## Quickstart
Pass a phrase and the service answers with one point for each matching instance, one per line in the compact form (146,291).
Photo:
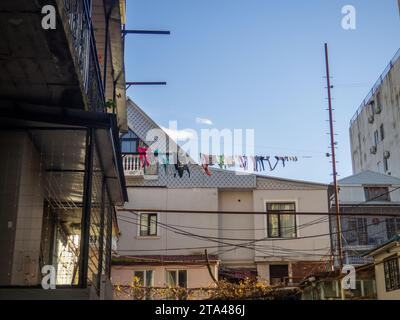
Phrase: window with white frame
(177,278)
(281,220)
(148,224)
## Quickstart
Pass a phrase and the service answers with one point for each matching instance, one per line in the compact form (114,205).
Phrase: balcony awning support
(150,32)
(159,83)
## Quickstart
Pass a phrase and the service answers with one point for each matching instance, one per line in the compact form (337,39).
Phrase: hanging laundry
(243,162)
(230,161)
(143,157)
(281,159)
(205,163)
(221,162)
(180,168)
(259,163)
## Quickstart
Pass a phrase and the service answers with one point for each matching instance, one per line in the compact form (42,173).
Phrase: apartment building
(375,127)
(375,195)
(247,223)
(60,170)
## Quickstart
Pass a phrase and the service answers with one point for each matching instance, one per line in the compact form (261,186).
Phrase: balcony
(134,167)
(78,15)
(57,67)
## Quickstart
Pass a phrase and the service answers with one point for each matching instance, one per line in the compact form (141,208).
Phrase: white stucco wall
(306,201)
(170,199)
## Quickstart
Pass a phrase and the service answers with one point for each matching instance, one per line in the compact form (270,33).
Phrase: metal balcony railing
(81,28)
(375,87)
(134,166)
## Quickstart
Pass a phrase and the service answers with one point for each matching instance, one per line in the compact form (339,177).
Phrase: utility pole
(333,157)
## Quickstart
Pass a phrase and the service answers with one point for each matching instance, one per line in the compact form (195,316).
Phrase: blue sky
(259,64)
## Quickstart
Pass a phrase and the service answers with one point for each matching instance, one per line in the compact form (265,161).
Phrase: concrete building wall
(362,131)
(171,224)
(234,226)
(227,227)
(307,225)
(311,249)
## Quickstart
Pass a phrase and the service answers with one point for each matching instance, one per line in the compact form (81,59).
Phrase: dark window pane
(392,274)
(182,281)
(376,194)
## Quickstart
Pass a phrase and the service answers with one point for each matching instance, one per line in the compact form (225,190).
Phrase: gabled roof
(140,123)
(369,177)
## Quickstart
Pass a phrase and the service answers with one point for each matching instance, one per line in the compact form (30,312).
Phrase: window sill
(278,238)
(147,237)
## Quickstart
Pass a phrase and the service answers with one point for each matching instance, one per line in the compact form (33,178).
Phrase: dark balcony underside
(35,64)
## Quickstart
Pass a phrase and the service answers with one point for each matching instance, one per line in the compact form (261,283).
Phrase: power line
(298,227)
(283,212)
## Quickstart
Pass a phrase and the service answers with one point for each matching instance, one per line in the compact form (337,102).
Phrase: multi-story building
(375,127)
(248,223)
(62,105)
(368,202)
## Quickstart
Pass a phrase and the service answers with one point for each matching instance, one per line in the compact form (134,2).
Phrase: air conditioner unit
(386,154)
(373,150)
(371,119)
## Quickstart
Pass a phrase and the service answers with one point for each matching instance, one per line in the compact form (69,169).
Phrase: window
(130,142)
(278,274)
(177,278)
(281,220)
(376,138)
(148,224)
(146,277)
(376,194)
(392,227)
(382,131)
(392,274)
(385,164)
(378,101)
(357,231)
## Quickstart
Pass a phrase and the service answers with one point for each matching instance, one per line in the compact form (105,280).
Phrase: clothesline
(181,162)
